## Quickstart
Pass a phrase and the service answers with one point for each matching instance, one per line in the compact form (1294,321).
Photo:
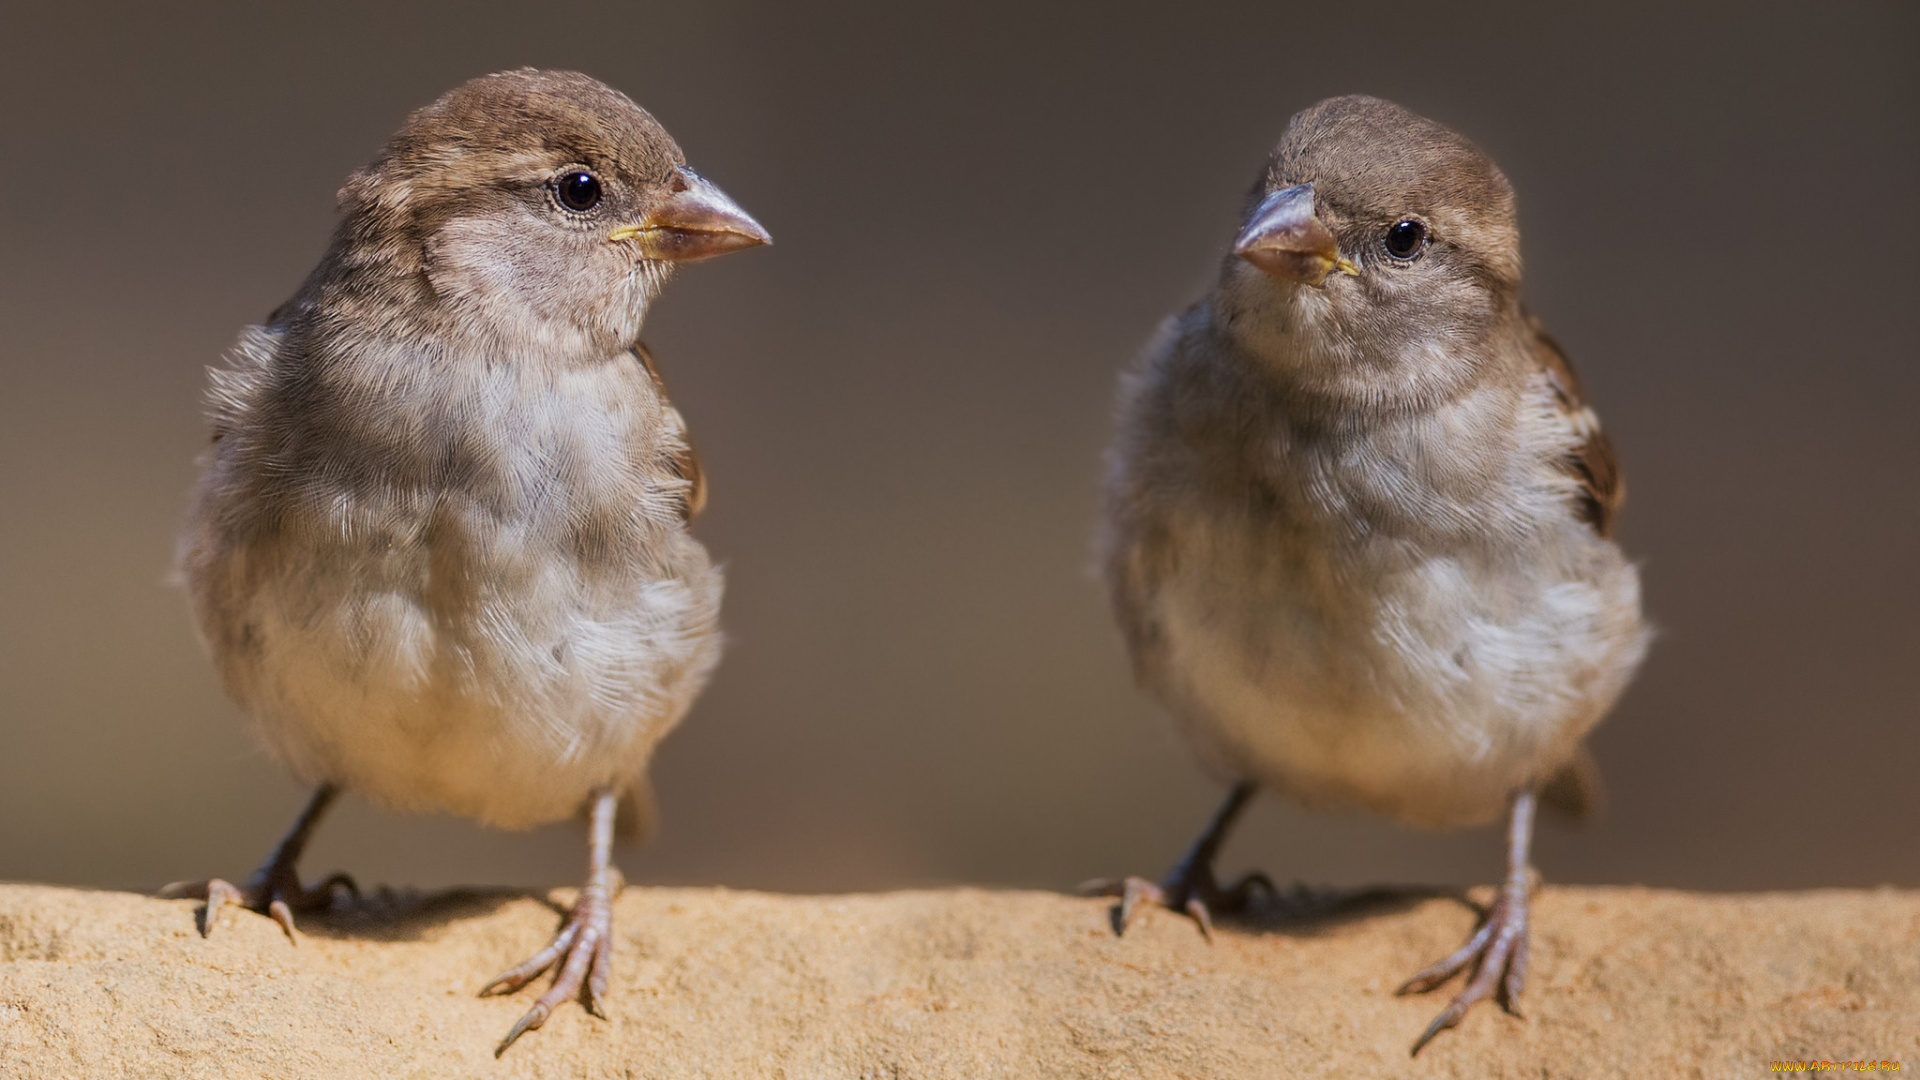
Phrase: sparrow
(1357,528)
(439,549)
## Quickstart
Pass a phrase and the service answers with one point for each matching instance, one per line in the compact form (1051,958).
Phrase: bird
(439,550)
(1358,521)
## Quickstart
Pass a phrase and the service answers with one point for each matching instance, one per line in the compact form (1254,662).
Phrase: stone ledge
(960,983)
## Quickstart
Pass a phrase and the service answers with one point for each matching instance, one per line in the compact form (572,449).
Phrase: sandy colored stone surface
(962,984)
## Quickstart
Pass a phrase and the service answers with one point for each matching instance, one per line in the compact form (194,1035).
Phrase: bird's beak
(697,221)
(1286,240)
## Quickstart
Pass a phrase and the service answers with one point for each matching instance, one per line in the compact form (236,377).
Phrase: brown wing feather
(684,463)
(1576,790)
(1591,463)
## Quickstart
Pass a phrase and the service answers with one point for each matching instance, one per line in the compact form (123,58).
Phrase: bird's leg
(583,949)
(275,889)
(1498,949)
(1190,886)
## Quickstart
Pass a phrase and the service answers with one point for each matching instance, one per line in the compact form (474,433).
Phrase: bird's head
(1377,248)
(533,210)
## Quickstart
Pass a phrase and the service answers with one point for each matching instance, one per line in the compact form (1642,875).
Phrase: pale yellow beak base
(1287,240)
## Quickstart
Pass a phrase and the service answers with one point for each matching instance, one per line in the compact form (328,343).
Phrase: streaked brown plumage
(1591,462)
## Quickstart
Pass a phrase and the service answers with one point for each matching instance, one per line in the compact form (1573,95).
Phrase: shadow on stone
(1306,912)
(388,914)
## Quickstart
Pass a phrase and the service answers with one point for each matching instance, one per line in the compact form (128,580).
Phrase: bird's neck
(1325,362)
(392,298)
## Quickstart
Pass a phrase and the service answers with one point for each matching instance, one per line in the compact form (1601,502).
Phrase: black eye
(1405,240)
(578,190)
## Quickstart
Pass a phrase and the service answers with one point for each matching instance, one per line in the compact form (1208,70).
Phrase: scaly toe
(1497,953)
(583,952)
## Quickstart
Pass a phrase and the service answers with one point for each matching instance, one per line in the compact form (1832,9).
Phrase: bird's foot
(582,952)
(275,891)
(1497,953)
(1191,890)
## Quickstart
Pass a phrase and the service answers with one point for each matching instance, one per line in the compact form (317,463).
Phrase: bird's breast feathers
(1410,617)
(425,579)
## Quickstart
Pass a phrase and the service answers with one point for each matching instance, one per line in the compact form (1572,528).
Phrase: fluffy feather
(1357,536)
(439,550)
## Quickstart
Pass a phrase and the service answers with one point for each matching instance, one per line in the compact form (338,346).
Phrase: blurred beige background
(981,214)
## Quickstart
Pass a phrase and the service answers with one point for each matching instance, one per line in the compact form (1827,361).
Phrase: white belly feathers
(1429,698)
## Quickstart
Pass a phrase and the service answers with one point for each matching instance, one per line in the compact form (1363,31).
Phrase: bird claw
(275,892)
(583,952)
(1196,910)
(1497,951)
(1190,890)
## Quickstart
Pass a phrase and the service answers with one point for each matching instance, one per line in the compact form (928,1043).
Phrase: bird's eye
(1406,240)
(578,190)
